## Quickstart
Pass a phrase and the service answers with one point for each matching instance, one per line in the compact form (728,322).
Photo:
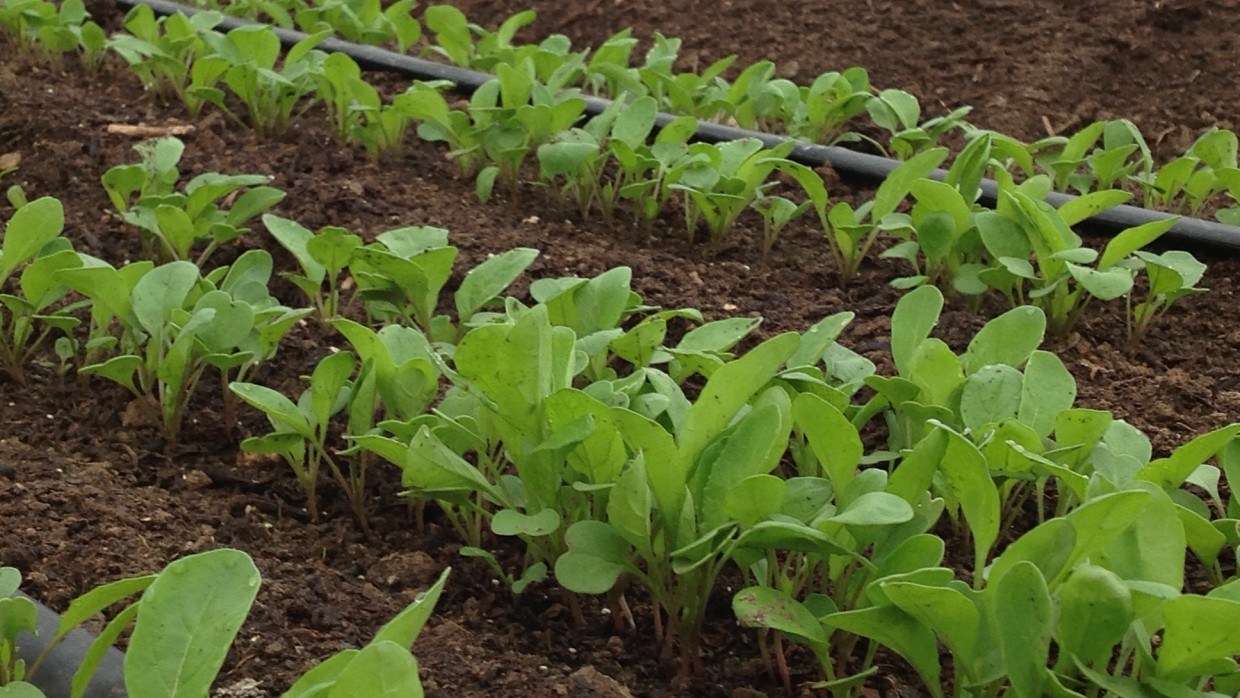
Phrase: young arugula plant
(32,242)
(439,122)
(724,181)
(851,231)
(400,276)
(454,35)
(514,115)
(1190,182)
(581,155)
(177,324)
(1075,163)
(357,112)
(50,31)
(245,61)
(843,529)
(646,173)
(175,222)
(301,430)
(828,105)
(163,51)
(1172,275)
(777,212)
(670,527)
(1062,283)
(323,256)
(899,113)
(819,113)
(498,419)
(363,21)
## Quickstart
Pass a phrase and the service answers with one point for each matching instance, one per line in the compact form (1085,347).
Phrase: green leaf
(382,670)
(1008,339)
(1024,618)
(629,506)
(316,682)
(20,689)
(946,611)
(990,395)
(1105,285)
(898,184)
(187,620)
(900,632)
(764,607)
(405,627)
(509,522)
(936,370)
(966,471)
(756,498)
(119,369)
(1133,239)
(596,557)
(1171,472)
(487,280)
(832,438)
(1092,204)
(96,600)
(916,314)
(1095,610)
(874,509)
(98,649)
(278,408)
(31,227)
(1199,631)
(1047,390)
(159,291)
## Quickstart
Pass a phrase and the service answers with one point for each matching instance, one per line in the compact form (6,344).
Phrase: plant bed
(94,495)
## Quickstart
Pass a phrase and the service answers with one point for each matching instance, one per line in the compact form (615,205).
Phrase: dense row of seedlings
(622,461)
(163,51)
(618,161)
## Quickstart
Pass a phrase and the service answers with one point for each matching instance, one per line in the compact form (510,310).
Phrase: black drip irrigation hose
(55,674)
(1191,232)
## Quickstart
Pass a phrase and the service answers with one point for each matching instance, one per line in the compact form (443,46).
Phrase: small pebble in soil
(7,470)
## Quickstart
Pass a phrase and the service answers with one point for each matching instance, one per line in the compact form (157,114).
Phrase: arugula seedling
(851,231)
(301,430)
(32,242)
(245,61)
(581,155)
(323,256)
(899,113)
(1172,275)
(1062,283)
(177,324)
(777,212)
(162,51)
(723,181)
(1075,163)
(363,21)
(174,222)
(49,31)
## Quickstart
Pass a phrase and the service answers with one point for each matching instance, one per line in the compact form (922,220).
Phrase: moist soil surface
(90,493)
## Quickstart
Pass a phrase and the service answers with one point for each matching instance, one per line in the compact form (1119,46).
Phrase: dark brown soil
(90,497)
